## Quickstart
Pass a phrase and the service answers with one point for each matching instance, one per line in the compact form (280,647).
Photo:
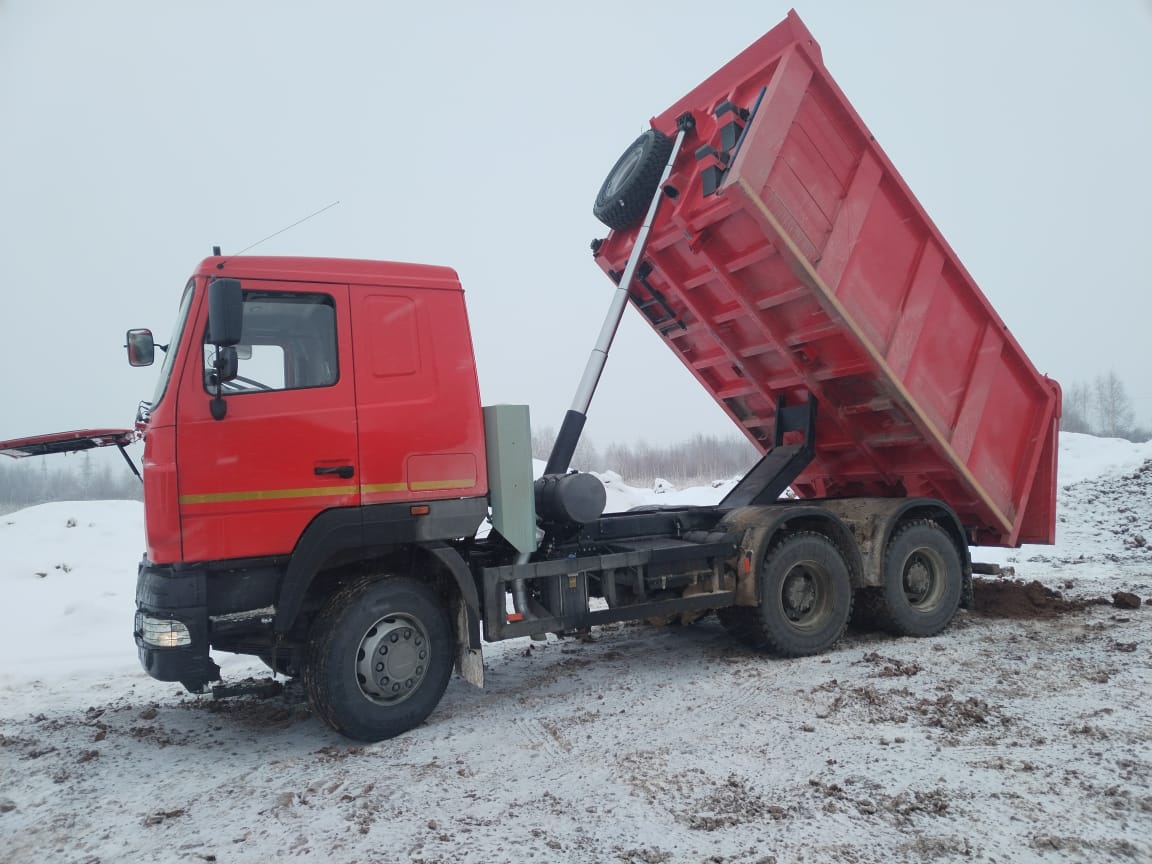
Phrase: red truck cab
(353,402)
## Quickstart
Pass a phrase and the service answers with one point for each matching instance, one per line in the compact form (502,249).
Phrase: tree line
(1102,407)
(79,477)
(694,462)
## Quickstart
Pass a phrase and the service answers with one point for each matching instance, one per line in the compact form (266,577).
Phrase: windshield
(173,344)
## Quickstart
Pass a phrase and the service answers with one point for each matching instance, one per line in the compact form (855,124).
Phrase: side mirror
(141,348)
(225,312)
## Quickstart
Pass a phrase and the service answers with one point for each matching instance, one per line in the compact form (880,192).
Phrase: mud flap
(469,661)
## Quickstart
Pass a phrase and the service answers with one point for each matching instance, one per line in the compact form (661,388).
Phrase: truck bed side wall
(813,269)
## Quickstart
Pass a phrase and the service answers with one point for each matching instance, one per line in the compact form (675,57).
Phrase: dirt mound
(1015,598)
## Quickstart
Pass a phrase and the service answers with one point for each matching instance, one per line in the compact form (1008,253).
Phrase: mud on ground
(1020,734)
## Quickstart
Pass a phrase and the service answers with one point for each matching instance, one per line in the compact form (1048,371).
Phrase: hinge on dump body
(731,137)
(782,464)
(654,307)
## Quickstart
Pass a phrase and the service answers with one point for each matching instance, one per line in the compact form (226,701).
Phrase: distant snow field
(1023,733)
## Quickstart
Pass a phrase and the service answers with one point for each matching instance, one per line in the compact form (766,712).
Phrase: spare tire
(628,189)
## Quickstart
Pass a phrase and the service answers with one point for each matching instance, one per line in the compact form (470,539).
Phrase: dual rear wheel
(923,581)
(806,591)
(805,598)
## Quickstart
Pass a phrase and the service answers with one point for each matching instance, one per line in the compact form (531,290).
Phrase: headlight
(164,634)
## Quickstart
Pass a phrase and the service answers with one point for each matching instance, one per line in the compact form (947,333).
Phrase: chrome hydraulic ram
(561,457)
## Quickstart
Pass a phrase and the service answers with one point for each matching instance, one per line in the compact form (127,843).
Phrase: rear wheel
(379,657)
(805,597)
(923,579)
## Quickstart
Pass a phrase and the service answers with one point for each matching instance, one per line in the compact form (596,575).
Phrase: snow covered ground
(1023,733)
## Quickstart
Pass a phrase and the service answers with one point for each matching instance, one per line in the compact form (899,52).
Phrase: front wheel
(379,657)
(805,596)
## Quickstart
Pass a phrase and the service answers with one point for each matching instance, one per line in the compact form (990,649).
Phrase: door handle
(344,472)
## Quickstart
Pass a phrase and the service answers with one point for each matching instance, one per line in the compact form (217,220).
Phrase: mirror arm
(218,406)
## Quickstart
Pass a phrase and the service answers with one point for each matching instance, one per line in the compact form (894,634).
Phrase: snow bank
(68,570)
(1017,741)
(68,579)
(1085,456)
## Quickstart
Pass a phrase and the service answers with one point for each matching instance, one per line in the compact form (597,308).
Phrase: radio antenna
(287,227)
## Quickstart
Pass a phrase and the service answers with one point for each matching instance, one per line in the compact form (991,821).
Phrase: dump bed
(791,258)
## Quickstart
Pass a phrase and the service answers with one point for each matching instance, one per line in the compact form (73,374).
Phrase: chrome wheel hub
(392,659)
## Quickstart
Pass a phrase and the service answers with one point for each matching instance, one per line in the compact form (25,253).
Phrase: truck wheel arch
(763,526)
(918,510)
(875,521)
(942,515)
(336,537)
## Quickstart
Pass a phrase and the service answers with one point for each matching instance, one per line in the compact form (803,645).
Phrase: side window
(288,342)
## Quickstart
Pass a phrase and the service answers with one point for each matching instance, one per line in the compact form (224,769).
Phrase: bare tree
(542,440)
(1113,406)
(26,482)
(1077,409)
(586,457)
(701,459)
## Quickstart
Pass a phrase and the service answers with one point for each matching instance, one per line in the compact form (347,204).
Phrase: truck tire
(379,657)
(628,189)
(923,580)
(805,597)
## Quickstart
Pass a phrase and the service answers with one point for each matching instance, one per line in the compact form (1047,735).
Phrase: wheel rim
(923,580)
(804,596)
(627,165)
(392,659)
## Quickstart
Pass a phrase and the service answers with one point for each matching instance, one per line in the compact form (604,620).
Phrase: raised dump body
(790,258)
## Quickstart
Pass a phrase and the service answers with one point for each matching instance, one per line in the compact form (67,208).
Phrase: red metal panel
(417,397)
(814,269)
(248,484)
(66,442)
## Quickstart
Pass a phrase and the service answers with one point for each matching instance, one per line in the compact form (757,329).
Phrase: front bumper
(164,594)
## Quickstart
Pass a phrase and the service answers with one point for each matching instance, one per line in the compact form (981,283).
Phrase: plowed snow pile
(1021,734)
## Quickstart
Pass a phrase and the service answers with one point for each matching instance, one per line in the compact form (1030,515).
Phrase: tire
(805,596)
(628,189)
(403,625)
(923,580)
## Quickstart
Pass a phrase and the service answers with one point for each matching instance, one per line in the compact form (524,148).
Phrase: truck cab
(349,405)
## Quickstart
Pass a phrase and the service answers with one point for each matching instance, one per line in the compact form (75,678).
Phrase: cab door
(421,428)
(286,448)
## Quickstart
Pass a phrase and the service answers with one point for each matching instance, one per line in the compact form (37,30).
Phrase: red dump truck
(318,468)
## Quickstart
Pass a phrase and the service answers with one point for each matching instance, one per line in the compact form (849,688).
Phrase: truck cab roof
(352,270)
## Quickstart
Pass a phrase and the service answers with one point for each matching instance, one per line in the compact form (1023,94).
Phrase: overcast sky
(135,135)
